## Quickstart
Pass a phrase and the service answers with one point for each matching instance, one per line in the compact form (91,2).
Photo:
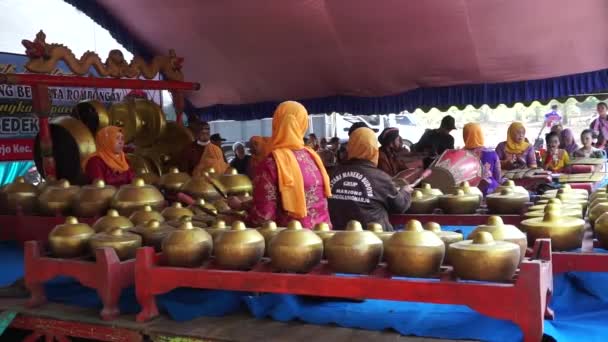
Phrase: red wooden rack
(454,220)
(584,261)
(523,301)
(22,228)
(107,274)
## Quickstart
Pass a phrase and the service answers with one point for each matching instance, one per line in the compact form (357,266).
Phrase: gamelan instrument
(454,167)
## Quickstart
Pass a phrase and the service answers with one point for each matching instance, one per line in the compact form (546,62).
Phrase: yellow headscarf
(512,146)
(213,157)
(363,144)
(289,124)
(472,135)
(105,140)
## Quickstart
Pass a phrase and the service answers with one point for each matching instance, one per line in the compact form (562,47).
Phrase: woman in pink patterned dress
(291,183)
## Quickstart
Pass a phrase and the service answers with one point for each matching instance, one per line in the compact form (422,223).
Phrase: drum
(454,167)
(72,144)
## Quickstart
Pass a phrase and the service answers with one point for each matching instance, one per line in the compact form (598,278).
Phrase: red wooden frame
(24,228)
(108,275)
(524,301)
(454,220)
(60,330)
(585,261)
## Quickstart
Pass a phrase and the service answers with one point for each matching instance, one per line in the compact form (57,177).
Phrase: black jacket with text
(362,192)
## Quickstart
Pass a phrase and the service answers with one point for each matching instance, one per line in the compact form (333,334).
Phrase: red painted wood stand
(108,275)
(454,220)
(24,228)
(584,261)
(524,301)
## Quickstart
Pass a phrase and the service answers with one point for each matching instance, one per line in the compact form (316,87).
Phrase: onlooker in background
(329,153)
(241,160)
(567,141)
(355,126)
(553,118)
(191,154)
(217,140)
(392,146)
(313,142)
(555,158)
(600,125)
(323,144)
(588,151)
(435,141)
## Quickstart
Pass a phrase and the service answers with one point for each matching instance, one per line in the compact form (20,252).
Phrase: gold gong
(153,122)
(124,115)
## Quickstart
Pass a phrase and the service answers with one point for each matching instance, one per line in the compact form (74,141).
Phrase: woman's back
(266,189)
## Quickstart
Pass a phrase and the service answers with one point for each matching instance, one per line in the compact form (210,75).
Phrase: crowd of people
(323,181)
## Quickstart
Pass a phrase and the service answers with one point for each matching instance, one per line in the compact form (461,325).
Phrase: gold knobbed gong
(148,176)
(71,239)
(93,200)
(559,202)
(377,229)
(269,230)
(554,207)
(112,220)
(92,113)
(459,203)
(152,121)
(506,202)
(601,230)
(169,146)
(325,233)
(422,203)
(234,183)
(484,259)
(353,250)
(567,189)
(217,229)
(144,215)
(19,196)
(239,248)
(173,180)
(124,243)
(57,199)
(201,207)
(200,187)
(153,232)
(566,233)
(567,202)
(414,252)
(446,236)
(597,201)
(296,249)
(510,185)
(176,211)
(132,197)
(503,232)
(468,189)
(596,211)
(187,246)
(426,189)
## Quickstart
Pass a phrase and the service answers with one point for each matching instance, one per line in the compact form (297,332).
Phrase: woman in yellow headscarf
(474,143)
(516,152)
(109,163)
(360,190)
(258,147)
(213,157)
(291,183)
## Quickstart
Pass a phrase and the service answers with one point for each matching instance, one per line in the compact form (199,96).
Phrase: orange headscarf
(213,157)
(289,124)
(105,140)
(473,136)
(514,147)
(363,144)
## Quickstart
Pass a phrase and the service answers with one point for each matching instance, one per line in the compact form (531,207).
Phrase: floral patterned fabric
(267,198)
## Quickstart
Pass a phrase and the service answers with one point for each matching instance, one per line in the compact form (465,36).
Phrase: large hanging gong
(72,144)
(93,114)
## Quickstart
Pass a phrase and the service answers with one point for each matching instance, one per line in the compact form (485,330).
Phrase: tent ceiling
(254,51)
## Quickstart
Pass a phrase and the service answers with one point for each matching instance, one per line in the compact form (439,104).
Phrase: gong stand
(22,227)
(523,301)
(106,274)
(587,260)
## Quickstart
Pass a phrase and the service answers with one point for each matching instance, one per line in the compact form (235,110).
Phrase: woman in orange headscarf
(516,152)
(291,183)
(109,162)
(361,191)
(474,142)
(258,147)
(213,157)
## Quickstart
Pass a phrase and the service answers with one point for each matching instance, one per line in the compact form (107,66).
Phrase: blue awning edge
(440,97)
